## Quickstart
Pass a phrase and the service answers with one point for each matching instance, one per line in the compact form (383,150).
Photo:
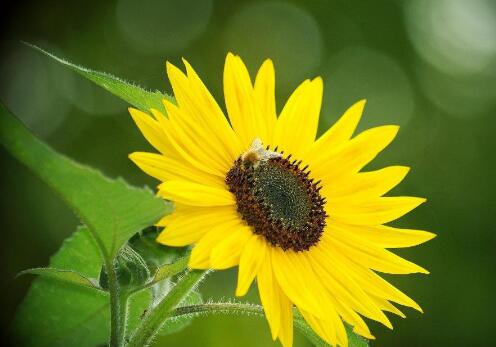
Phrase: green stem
(219,307)
(237,308)
(246,309)
(156,317)
(118,308)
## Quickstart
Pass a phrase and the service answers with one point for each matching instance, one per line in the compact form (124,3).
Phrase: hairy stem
(118,308)
(237,308)
(219,307)
(156,317)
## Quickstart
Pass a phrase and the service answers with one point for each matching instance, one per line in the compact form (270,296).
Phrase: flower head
(294,212)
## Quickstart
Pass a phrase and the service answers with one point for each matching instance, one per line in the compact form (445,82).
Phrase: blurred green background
(429,66)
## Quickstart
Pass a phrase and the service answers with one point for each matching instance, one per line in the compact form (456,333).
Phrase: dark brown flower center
(278,199)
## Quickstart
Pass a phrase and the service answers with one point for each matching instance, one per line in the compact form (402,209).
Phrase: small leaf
(129,92)
(113,210)
(68,276)
(169,270)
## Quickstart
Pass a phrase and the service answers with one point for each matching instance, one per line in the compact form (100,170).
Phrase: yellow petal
(277,306)
(354,320)
(227,252)
(252,257)
(194,143)
(387,237)
(340,132)
(365,185)
(150,129)
(374,284)
(164,123)
(215,121)
(196,139)
(200,255)
(187,227)
(296,277)
(330,329)
(351,157)
(165,220)
(286,330)
(246,117)
(164,169)
(373,212)
(369,256)
(265,95)
(195,194)
(270,295)
(343,287)
(296,126)
(385,305)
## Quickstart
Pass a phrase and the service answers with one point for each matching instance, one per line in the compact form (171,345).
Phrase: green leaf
(165,272)
(169,270)
(112,210)
(68,276)
(129,92)
(59,313)
(55,313)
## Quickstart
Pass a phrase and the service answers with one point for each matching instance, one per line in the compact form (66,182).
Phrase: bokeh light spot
(31,90)
(156,26)
(280,31)
(456,36)
(357,73)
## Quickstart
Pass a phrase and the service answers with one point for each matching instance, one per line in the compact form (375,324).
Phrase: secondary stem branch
(156,317)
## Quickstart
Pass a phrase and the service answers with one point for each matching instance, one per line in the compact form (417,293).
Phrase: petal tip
(318,80)
(269,63)
(240,292)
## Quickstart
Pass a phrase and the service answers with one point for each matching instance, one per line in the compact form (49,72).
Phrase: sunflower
(295,212)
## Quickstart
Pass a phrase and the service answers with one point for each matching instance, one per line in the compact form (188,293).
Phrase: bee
(257,154)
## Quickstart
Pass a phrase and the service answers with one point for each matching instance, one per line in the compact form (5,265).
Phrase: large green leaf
(129,92)
(112,210)
(56,313)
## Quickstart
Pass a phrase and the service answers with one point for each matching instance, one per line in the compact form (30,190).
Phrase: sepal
(132,271)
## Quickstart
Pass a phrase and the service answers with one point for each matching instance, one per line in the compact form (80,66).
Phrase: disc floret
(277,197)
